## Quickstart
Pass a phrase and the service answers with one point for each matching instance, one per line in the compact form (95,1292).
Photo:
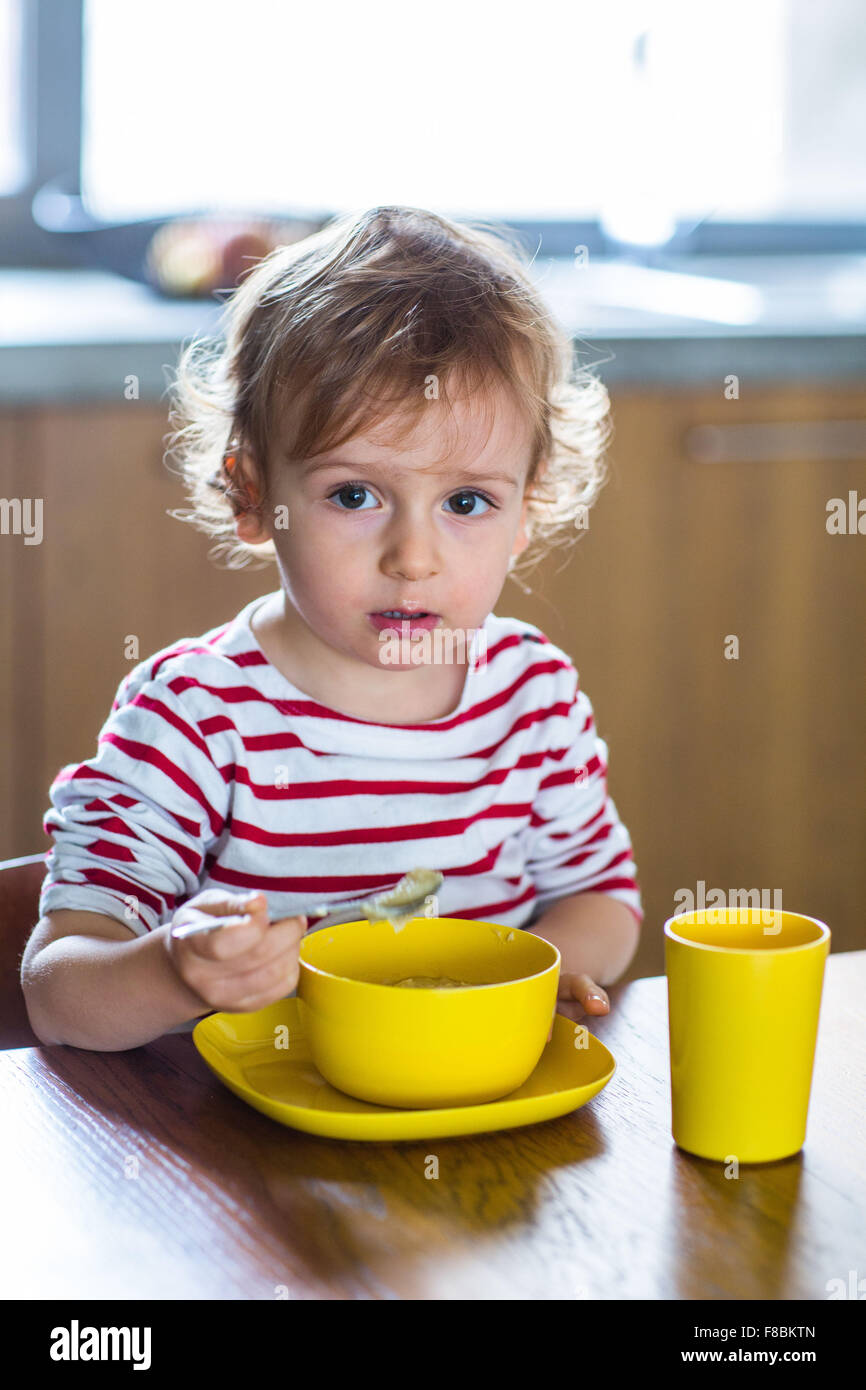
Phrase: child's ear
(250,521)
(250,528)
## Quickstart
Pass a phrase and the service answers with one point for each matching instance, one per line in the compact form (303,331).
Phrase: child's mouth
(412,622)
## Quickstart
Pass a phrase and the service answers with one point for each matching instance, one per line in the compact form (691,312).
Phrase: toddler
(391,415)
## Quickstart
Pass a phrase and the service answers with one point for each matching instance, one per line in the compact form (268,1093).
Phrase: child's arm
(88,983)
(594,934)
(133,826)
(596,937)
(579,856)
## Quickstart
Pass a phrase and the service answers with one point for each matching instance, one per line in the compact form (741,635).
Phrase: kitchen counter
(79,335)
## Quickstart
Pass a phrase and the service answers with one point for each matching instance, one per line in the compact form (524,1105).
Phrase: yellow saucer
(283,1082)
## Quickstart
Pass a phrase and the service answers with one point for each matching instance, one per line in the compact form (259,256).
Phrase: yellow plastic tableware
(264,1058)
(427,1047)
(744,994)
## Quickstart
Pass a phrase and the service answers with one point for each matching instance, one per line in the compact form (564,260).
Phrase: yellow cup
(744,994)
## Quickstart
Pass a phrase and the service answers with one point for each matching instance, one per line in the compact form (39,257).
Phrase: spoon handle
(332,910)
(314,913)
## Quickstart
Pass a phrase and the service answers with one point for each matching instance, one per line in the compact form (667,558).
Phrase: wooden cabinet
(745,773)
(112,565)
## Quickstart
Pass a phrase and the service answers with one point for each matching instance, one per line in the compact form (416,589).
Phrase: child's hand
(579,995)
(248,963)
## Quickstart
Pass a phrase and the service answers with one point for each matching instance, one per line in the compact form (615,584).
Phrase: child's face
(370,531)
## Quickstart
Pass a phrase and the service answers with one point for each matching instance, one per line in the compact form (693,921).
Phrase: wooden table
(138,1175)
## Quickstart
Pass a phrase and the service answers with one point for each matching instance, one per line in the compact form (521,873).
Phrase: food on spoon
(417,885)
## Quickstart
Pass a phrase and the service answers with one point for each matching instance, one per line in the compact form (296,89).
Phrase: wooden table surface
(138,1175)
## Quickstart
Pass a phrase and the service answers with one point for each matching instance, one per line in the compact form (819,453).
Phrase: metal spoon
(398,905)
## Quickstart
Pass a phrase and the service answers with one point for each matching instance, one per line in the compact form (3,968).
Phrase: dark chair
(20,885)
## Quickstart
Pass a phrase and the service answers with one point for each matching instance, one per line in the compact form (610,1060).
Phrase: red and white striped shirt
(214,771)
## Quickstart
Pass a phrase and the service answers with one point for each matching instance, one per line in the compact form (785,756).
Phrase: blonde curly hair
(352,322)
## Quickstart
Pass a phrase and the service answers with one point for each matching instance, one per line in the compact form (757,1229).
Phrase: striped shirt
(214,771)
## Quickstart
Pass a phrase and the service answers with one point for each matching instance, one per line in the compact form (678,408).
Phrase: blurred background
(690,182)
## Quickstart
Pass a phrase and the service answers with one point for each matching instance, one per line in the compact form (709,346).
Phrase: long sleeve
(577,842)
(132,826)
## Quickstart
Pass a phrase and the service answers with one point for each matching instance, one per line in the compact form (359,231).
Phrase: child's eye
(348,491)
(350,488)
(486,500)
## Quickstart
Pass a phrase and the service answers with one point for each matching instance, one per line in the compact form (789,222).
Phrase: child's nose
(411,551)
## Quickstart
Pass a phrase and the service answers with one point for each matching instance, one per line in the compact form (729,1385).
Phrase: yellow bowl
(423,1048)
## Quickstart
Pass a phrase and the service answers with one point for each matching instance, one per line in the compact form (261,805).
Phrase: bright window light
(13,161)
(640,111)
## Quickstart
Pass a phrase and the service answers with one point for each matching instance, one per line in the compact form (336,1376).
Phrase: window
(13,152)
(638,113)
(740,126)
